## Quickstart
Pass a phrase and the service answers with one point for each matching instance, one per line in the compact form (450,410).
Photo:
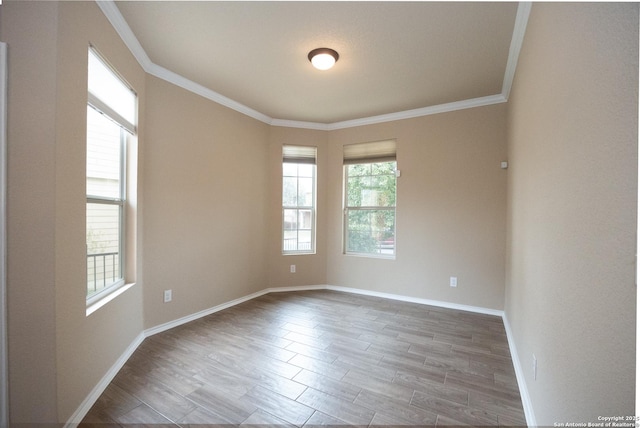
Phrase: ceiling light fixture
(323,58)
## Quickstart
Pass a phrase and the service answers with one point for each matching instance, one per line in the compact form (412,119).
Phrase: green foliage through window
(370,208)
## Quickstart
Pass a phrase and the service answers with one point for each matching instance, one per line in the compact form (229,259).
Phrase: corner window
(370,199)
(111,112)
(298,199)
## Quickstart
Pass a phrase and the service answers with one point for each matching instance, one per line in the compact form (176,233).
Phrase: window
(298,199)
(111,113)
(370,198)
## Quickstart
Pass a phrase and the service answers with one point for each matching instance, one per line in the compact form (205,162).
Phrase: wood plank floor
(319,358)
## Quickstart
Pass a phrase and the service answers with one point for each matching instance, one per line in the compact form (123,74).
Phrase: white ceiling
(394,56)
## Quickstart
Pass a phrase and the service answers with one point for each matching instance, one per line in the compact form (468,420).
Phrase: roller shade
(377,151)
(109,94)
(299,154)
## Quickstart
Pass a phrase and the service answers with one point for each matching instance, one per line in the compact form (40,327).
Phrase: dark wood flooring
(319,358)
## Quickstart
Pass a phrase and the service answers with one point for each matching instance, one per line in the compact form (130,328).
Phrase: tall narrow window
(111,117)
(298,199)
(370,198)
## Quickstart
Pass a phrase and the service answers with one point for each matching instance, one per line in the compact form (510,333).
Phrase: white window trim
(101,298)
(313,221)
(95,301)
(303,160)
(346,209)
(363,254)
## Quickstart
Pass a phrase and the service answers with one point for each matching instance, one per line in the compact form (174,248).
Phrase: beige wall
(88,346)
(211,208)
(571,290)
(205,203)
(450,214)
(310,269)
(31,32)
(57,353)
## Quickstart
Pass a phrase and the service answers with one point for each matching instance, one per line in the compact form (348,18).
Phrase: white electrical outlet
(453,281)
(535,367)
(167,296)
(292,268)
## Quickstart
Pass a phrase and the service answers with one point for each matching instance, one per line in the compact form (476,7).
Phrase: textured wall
(205,203)
(573,139)
(450,215)
(31,33)
(57,353)
(310,269)
(562,216)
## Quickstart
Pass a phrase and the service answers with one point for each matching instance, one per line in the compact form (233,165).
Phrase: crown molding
(424,111)
(519,28)
(118,22)
(407,114)
(317,126)
(203,91)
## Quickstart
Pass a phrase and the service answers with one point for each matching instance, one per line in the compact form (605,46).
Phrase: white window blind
(108,94)
(299,154)
(377,151)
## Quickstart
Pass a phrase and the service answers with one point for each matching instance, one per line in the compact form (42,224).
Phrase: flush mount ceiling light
(323,58)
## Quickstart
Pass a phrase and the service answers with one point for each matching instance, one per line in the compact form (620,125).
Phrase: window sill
(371,256)
(112,294)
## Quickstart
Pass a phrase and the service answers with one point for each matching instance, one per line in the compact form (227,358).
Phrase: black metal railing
(98,268)
(292,244)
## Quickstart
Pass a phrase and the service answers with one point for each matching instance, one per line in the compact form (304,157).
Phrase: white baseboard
(448,305)
(175,323)
(522,384)
(84,408)
(296,288)
(97,391)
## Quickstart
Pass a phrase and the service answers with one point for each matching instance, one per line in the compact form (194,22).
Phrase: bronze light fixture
(323,58)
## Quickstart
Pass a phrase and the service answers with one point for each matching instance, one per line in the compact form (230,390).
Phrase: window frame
(121,203)
(360,154)
(304,159)
(127,131)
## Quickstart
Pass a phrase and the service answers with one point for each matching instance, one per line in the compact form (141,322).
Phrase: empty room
(318,213)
